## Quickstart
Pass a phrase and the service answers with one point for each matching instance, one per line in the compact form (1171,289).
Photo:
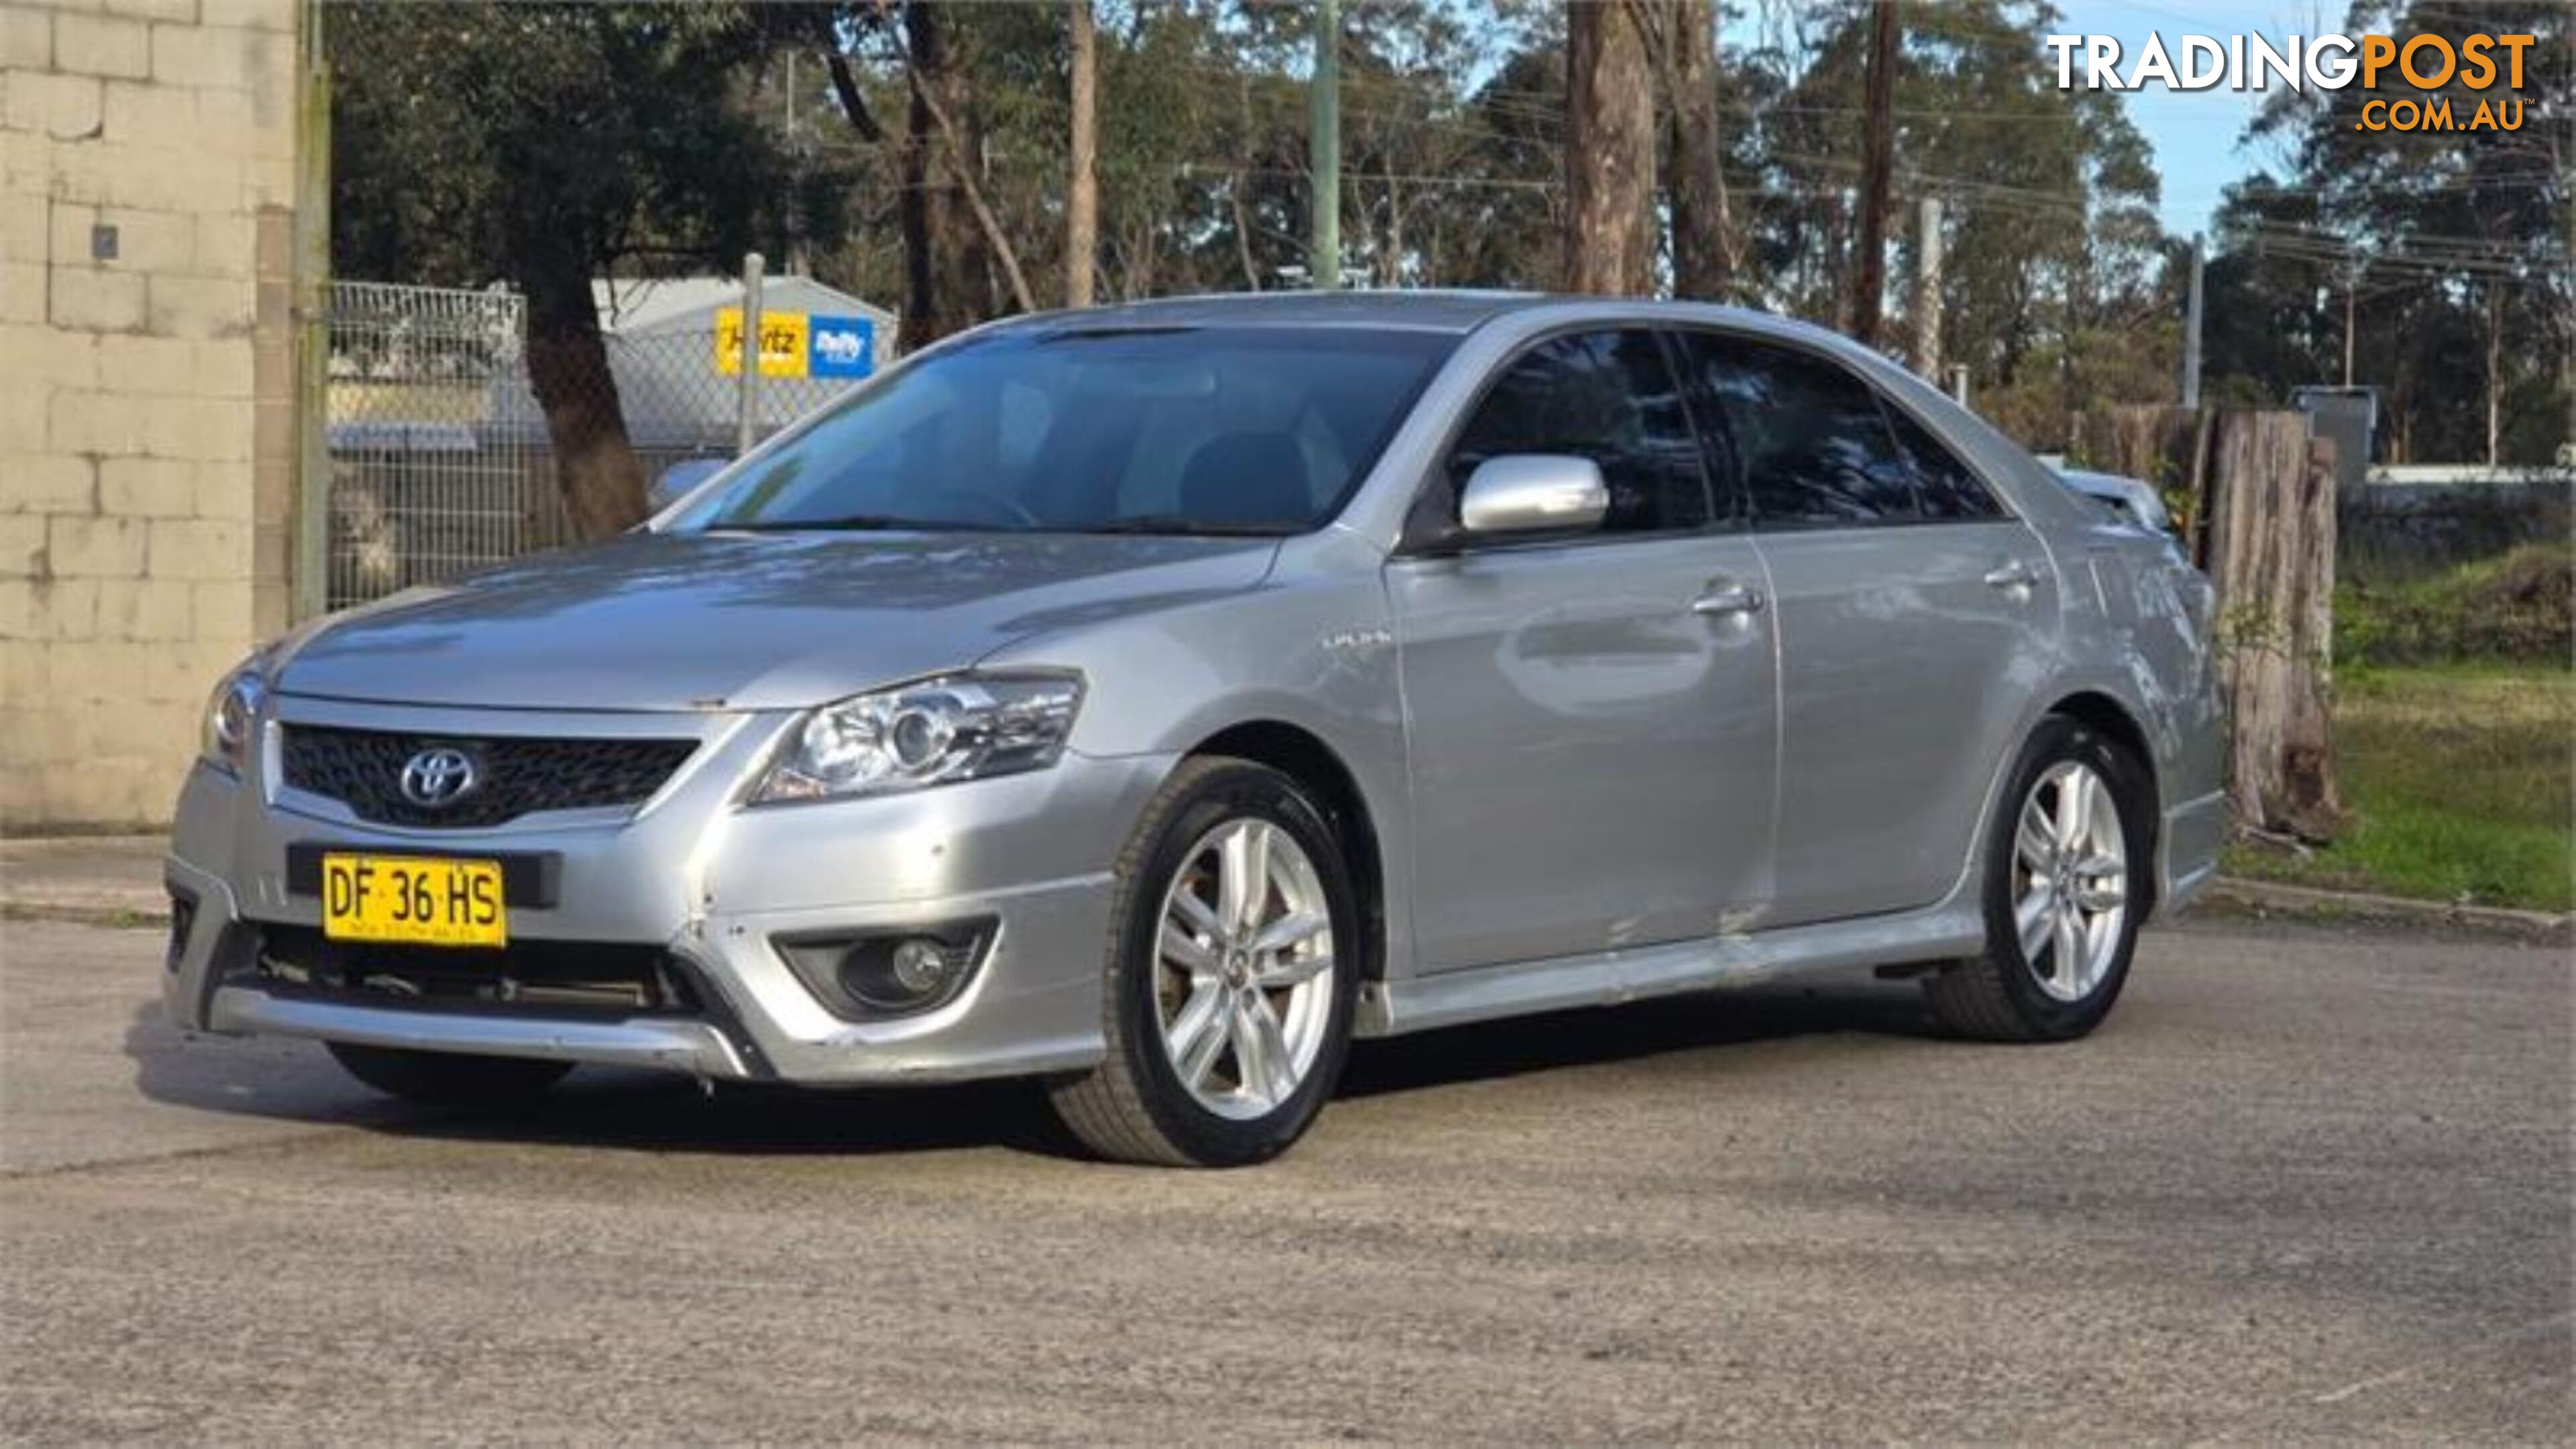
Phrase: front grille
(516,774)
(552,978)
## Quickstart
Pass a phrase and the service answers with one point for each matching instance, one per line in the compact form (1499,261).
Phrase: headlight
(232,718)
(961,727)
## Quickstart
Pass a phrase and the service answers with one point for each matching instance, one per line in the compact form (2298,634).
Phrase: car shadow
(1593,1036)
(655,1112)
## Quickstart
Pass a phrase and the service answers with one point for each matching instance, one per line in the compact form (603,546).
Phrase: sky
(2195,133)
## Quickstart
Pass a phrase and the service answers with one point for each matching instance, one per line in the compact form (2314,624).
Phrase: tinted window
(1807,436)
(1176,429)
(1946,486)
(1606,396)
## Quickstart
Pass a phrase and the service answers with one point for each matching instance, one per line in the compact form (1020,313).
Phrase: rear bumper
(2187,850)
(710,884)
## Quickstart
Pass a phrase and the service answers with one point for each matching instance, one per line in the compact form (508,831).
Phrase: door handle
(2012,575)
(1729,600)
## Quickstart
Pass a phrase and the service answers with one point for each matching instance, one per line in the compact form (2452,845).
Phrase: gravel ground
(2303,1185)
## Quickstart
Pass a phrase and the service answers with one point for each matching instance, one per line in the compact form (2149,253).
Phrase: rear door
(1912,610)
(1591,735)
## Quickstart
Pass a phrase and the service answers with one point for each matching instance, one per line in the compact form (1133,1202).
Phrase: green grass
(2459,782)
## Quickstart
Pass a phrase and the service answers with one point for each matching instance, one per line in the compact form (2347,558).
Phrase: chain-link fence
(424,482)
(677,405)
(441,459)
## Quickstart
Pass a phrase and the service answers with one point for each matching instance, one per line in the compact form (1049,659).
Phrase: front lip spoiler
(693,1047)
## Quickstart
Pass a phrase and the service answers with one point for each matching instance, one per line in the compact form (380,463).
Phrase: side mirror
(1533,493)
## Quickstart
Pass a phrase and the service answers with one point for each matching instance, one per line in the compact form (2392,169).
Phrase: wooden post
(2271,556)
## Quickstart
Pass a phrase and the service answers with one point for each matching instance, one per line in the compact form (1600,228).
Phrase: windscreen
(1254,430)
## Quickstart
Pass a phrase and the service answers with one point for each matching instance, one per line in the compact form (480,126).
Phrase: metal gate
(433,471)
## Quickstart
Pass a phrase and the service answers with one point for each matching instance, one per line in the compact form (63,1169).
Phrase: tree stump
(2271,556)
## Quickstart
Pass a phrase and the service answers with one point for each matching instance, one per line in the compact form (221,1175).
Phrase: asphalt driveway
(2304,1185)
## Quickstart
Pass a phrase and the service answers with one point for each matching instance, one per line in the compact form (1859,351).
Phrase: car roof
(1430,311)
(1426,310)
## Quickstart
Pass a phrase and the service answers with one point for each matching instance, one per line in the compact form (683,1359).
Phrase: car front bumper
(708,882)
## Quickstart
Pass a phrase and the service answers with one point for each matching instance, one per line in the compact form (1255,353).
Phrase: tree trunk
(1609,150)
(1390,270)
(1082,195)
(963,161)
(1878,159)
(1703,264)
(947,273)
(2271,556)
(595,465)
(1243,235)
(1234,193)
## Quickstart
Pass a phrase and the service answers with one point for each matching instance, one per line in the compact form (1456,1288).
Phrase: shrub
(2519,605)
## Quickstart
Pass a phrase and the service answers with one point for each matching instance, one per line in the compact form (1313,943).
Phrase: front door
(1590,721)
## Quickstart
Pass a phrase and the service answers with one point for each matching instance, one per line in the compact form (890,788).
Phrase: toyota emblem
(438,776)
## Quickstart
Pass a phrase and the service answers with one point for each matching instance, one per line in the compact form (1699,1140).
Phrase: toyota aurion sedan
(1148,701)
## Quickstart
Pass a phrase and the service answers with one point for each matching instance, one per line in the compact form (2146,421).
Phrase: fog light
(862,978)
(921,966)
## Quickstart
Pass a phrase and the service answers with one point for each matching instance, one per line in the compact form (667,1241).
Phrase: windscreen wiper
(1176,523)
(859,523)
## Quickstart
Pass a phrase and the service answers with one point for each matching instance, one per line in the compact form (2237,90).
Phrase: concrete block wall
(147,185)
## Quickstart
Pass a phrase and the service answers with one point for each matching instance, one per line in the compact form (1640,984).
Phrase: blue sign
(843,346)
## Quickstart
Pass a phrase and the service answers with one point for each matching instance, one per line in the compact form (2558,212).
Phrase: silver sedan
(1151,700)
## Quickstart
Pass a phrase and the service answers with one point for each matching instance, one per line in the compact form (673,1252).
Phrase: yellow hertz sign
(782,343)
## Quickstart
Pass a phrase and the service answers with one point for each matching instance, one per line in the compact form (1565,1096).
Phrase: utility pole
(1324,143)
(1082,198)
(1927,293)
(746,398)
(1878,158)
(2351,284)
(2191,328)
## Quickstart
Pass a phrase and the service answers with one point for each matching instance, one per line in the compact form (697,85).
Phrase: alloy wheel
(1243,979)
(2070,880)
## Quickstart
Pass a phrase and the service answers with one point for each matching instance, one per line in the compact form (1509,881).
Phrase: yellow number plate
(418,899)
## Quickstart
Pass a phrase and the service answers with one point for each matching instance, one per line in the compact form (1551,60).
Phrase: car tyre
(2068,863)
(448,1079)
(1208,986)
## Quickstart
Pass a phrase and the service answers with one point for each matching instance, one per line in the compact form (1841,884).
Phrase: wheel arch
(1302,755)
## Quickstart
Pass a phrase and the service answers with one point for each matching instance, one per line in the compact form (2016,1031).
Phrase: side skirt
(1392,1008)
